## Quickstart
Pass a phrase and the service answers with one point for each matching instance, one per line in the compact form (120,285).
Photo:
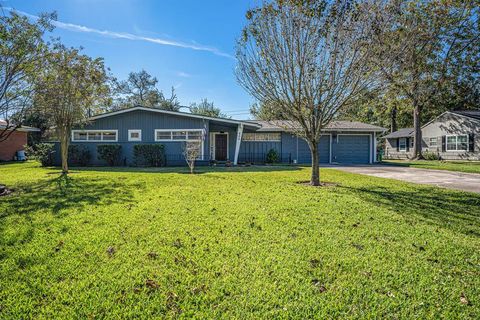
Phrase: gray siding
(447,124)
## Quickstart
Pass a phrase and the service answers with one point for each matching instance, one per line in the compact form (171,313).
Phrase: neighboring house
(454,135)
(222,139)
(15,141)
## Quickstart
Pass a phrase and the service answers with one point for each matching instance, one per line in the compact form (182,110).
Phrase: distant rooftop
(469,113)
(402,133)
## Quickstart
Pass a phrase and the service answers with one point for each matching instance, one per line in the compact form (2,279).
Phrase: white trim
(175,130)
(183,114)
(87,131)
(139,131)
(212,144)
(456,142)
(400,149)
(238,142)
(369,142)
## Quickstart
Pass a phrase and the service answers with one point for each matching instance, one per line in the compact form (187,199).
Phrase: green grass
(460,166)
(234,243)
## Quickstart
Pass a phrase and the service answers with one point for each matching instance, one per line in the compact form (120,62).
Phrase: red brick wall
(14,143)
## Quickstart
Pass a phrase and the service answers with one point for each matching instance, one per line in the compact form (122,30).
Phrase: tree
(191,152)
(206,108)
(22,50)
(69,84)
(422,48)
(306,60)
(140,89)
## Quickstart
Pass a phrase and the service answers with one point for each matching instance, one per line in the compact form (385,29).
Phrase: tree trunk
(315,179)
(393,119)
(64,142)
(417,129)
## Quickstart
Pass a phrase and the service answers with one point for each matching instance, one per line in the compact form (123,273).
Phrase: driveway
(441,178)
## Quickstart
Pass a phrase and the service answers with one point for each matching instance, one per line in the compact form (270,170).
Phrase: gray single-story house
(237,141)
(453,135)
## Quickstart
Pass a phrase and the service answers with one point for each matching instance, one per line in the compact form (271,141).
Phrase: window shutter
(471,142)
(408,144)
(444,143)
(398,144)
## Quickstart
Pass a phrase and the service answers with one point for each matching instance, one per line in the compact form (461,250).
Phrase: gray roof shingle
(402,133)
(285,125)
(475,114)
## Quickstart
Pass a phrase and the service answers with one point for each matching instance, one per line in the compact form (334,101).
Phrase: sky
(185,44)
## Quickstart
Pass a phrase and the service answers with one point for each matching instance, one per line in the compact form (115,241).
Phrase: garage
(351,148)
(304,155)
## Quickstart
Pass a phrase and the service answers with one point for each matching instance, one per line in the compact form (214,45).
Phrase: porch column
(237,145)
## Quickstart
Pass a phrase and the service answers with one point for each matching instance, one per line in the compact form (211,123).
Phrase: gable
(451,124)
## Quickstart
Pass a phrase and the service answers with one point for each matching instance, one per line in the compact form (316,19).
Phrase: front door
(221,146)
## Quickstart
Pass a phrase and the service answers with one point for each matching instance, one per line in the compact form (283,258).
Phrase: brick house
(15,141)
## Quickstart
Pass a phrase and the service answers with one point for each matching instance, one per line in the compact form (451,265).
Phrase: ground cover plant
(460,166)
(233,243)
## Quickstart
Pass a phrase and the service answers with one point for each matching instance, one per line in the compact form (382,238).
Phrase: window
(178,135)
(432,142)
(94,135)
(457,143)
(135,135)
(261,136)
(402,144)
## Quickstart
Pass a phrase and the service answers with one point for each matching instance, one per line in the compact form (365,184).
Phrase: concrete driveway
(441,178)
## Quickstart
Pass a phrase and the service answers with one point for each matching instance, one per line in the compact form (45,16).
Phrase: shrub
(428,155)
(110,153)
(272,156)
(78,155)
(43,152)
(149,154)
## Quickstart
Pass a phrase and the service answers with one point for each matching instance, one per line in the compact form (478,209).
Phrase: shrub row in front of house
(152,155)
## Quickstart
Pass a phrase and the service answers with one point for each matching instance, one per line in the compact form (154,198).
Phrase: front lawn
(234,243)
(460,166)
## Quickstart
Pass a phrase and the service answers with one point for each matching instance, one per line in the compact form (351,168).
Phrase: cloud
(184,74)
(129,36)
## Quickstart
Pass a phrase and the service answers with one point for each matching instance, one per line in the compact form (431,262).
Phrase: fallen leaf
(111,251)
(152,255)
(151,284)
(463,299)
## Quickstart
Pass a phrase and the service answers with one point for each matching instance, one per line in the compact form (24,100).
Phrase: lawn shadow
(458,211)
(198,169)
(64,192)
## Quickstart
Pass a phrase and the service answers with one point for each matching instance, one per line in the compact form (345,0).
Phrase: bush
(272,156)
(78,155)
(110,153)
(43,152)
(431,156)
(149,154)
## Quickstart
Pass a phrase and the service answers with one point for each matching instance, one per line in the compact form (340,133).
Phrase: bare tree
(306,60)
(70,84)
(192,151)
(21,54)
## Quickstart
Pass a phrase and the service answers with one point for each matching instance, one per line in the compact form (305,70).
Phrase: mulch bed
(322,184)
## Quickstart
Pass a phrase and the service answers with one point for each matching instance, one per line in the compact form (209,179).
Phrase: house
(15,141)
(222,139)
(454,135)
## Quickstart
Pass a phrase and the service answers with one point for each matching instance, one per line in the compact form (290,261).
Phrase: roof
(282,125)
(402,133)
(475,114)
(4,125)
(177,113)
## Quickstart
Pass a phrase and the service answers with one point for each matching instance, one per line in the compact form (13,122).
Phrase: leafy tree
(305,61)
(422,50)
(69,84)
(206,108)
(22,51)
(140,89)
